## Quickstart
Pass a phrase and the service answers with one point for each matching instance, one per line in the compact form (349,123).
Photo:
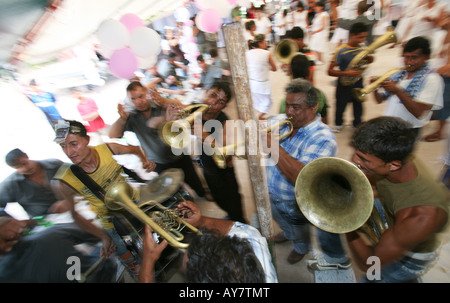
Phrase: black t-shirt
(209,165)
(149,137)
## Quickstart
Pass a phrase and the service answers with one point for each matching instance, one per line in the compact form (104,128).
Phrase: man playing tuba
(415,204)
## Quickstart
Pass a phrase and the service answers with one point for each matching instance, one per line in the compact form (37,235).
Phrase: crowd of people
(230,250)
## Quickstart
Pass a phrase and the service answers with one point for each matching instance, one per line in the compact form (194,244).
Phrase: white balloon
(145,42)
(223,7)
(204,4)
(113,34)
(182,14)
(147,61)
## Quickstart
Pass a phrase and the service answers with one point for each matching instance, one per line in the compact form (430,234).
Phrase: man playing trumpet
(310,139)
(413,93)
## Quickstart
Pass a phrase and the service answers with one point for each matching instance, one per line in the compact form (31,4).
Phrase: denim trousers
(403,270)
(296,227)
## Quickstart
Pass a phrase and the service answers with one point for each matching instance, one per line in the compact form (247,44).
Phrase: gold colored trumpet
(221,153)
(174,138)
(336,196)
(164,221)
(361,93)
(360,60)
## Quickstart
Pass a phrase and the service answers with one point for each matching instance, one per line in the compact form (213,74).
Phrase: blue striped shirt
(316,140)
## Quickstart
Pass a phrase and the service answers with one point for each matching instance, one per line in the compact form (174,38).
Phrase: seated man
(94,172)
(242,252)
(41,256)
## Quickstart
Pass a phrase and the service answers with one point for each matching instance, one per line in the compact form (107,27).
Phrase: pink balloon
(131,21)
(209,21)
(232,2)
(123,63)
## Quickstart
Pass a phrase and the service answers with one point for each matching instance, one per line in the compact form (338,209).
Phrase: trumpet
(188,115)
(360,60)
(221,153)
(361,93)
(164,221)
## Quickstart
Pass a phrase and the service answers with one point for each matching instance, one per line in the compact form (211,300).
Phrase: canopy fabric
(36,29)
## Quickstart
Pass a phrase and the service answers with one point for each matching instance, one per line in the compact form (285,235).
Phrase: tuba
(163,220)
(285,50)
(336,196)
(172,130)
(361,93)
(360,60)
(221,153)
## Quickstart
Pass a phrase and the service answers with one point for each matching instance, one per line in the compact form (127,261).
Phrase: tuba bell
(285,50)
(360,60)
(173,132)
(336,196)
(164,221)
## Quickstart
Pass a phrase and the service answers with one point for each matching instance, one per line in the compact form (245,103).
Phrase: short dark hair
(249,24)
(296,33)
(320,3)
(12,156)
(133,85)
(214,258)
(213,52)
(387,138)
(358,28)
(416,43)
(224,86)
(77,128)
(300,65)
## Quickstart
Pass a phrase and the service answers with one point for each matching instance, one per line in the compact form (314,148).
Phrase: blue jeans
(296,226)
(402,270)
(121,248)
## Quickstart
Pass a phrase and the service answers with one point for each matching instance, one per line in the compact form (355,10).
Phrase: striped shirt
(316,140)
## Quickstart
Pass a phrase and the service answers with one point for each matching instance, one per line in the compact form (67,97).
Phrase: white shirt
(432,93)
(258,69)
(263,26)
(260,247)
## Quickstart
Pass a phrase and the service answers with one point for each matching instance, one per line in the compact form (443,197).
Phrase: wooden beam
(236,47)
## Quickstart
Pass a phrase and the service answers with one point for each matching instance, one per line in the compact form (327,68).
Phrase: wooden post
(236,47)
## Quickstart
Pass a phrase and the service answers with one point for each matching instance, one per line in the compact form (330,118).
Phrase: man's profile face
(76,148)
